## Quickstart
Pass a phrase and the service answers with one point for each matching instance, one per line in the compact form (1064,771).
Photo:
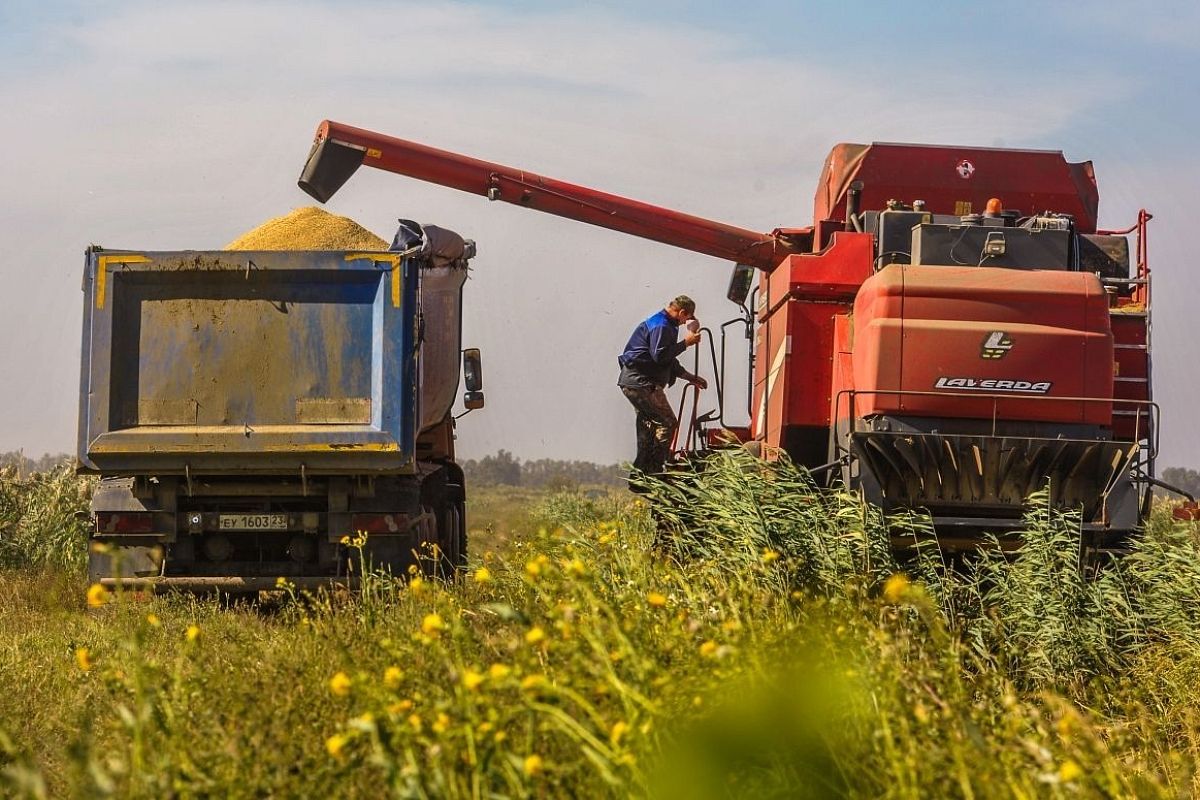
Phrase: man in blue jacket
(650,363)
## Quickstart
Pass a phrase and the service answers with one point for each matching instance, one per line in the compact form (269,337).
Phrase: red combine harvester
(951,334)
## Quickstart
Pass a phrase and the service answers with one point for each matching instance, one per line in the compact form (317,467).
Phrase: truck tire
(452,535)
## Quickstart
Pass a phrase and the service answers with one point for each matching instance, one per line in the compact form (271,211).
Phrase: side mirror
(739,283)
(473,378)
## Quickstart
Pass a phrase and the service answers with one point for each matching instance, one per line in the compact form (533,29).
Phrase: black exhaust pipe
(330,164)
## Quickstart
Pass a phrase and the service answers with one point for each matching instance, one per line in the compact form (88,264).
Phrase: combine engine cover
(976,386)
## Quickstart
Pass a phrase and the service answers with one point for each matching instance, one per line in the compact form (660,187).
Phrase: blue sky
(180,125)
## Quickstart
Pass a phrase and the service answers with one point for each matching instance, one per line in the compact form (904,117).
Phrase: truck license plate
(253,522)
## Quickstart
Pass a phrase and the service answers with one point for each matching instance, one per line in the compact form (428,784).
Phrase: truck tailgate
(221,361)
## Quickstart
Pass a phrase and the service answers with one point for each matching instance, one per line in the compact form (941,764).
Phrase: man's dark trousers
(656,423)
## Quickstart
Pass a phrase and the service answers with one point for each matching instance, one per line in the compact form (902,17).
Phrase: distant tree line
(504,469)
(1186,479)
(17,461)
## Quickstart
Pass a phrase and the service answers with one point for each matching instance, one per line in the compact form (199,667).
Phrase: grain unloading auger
(951,333)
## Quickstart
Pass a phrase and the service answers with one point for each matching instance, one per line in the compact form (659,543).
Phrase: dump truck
(264,415)
(951,333)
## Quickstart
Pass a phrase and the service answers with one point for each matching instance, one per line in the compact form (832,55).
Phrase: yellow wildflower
(619,729)
(499,736)
(607,538)
(336,744)
(414,722)
(895,589)
(441,723)
(340,684)
(533,568)
(770,555)
(401,707)
(432,625)
(97,595)
(192,633)
(83,657)
(535,635)
(534,765)
(656,599)
(392,676)
(483,575)
(472,679)
(708,649)
(499,672)
(1069,771)
(153,621)
(530,682)
(416,585)
(281,582)
(575,567)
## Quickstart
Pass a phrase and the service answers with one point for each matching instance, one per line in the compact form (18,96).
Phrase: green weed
(753,637)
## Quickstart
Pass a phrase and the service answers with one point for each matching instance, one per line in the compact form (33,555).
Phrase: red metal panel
(843,367)
(958,180)
(879,341)
(800,300)
(836,273)
(772,369)
(933,323)
(810,367)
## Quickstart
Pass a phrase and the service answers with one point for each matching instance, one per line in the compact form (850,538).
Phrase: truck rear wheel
(452,535)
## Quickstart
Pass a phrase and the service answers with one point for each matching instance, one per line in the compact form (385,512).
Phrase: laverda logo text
(993,385)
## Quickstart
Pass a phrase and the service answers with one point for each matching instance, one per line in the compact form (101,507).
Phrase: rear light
(124,522)
(379,523)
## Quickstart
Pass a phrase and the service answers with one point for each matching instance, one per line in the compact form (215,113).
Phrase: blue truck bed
(247,362)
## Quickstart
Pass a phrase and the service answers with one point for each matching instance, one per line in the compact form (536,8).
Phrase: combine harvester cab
(951,333)
(249,413)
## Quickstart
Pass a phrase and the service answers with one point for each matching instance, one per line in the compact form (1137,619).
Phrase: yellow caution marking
(390,258)
(102,270)
(373,153)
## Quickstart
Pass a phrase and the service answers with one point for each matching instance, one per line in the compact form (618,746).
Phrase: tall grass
(43,519)
(751,638)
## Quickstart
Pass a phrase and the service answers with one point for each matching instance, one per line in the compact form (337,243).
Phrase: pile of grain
(308,228)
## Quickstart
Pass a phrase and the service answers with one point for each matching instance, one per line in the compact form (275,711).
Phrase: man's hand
(696,380)
(691,338)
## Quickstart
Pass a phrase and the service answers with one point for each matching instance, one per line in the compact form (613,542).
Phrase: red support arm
(348,147)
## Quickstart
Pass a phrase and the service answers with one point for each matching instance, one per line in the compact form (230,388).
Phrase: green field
(766,646)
